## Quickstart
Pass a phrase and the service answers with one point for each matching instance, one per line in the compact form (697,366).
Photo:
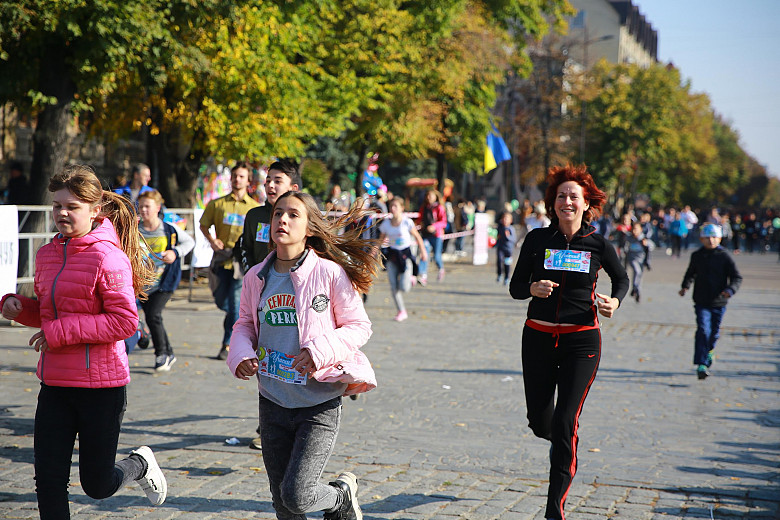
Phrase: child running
(399,230)
(716,280)
(169,244)
(300,328)
(505,245)
(86,282)
(636,254)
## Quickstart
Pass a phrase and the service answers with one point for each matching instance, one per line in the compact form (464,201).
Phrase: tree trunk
(177,175)
(441,171)
(50,137)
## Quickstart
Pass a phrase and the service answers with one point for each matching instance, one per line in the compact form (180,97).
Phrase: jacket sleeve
(520,285)
(116,321)
(185,242)
(243,341)
(353,328)
(441,219)
(31,310)
(734,278)
(245,245)
(690,273)
(614,268)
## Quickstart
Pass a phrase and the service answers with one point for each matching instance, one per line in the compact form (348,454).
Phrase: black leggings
(95,414)
(153,308)
(569,363)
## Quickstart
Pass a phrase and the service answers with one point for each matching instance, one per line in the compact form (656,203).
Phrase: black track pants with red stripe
(569,363)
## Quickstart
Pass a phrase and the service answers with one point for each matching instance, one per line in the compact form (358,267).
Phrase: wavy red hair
(579,174)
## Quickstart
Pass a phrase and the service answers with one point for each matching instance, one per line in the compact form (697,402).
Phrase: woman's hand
(247,368)
(543,288)
(606,304)
(39,342)
(303,363)
(12,308)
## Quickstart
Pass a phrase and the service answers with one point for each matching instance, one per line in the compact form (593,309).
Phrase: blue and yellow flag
(496,150)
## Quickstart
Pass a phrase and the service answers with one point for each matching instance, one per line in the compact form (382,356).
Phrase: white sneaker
(153,482)
(350,509)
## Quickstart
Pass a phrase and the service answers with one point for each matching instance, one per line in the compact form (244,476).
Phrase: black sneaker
(161,363)
(349,510)
(222,355)
(702,372)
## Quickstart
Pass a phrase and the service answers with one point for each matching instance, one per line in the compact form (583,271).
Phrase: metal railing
(29,243)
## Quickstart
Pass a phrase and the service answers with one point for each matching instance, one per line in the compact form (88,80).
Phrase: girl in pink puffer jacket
(86,282)
(300,328)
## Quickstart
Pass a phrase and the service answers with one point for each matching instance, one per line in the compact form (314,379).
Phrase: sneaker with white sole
(171,359)
(161,363)
(349,509)
(153,482)
(401,316)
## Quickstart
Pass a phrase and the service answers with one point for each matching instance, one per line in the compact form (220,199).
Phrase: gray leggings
(399,282)
(297,443)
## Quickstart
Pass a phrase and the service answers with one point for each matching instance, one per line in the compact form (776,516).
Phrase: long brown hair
(81,181)
(352,252)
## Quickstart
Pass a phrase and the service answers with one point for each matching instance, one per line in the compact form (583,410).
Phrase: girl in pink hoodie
(300,328)
(86,282)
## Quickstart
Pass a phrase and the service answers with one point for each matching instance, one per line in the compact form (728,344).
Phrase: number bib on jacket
(567,260)
(277,365)
(263,232)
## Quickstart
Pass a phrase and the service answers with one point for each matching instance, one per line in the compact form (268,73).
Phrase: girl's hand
(12,307)
(39,342)
(303,363)
(543,288)
(424,254)
(606,304)
(247,368)
(168,256)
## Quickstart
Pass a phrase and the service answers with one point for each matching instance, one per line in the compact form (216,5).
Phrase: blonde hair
(152,194)
(81,181)
(355,254)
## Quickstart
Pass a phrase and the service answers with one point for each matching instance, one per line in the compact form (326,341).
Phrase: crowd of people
(292,279)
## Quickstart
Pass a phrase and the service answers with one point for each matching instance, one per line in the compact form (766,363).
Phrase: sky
(731,51)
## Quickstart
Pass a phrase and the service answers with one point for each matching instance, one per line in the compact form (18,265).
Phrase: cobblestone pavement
(444,436)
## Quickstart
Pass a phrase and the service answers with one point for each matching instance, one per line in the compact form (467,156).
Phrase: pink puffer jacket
(85,308)
(332,323)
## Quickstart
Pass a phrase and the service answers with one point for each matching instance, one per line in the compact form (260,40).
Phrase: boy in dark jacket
(717,280)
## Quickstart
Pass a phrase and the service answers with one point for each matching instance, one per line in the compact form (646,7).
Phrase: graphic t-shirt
(400,236)
(278,343)
(158,243)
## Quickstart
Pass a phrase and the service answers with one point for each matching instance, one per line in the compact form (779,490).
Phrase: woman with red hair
(558,269)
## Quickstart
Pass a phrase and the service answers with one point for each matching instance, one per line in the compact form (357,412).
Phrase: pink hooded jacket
(332,323)
(85,308)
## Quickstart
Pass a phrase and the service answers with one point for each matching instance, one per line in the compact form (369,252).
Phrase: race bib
(263,232)
(567,260)
(278,366)
(233,219)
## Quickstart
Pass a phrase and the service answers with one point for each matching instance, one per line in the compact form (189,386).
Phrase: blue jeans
(707,332)
(432,244)
(228,299)
(297,443)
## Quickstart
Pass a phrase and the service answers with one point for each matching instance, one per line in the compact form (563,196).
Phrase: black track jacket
(573,301)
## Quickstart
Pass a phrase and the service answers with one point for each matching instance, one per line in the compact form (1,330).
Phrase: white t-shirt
(400,236)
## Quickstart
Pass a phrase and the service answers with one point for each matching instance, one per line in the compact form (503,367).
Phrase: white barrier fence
(15,244)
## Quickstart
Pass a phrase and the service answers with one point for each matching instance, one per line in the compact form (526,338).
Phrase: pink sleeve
(353,327)
(31,310)
(117,320)
(243,341)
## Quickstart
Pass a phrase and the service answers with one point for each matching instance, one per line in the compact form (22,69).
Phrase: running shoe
(222,354)
(153,482)
(440,276)
(401,316)
(171,359)
(701,372)
(161,363)
(349,510)
(256,444)
(423,279)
